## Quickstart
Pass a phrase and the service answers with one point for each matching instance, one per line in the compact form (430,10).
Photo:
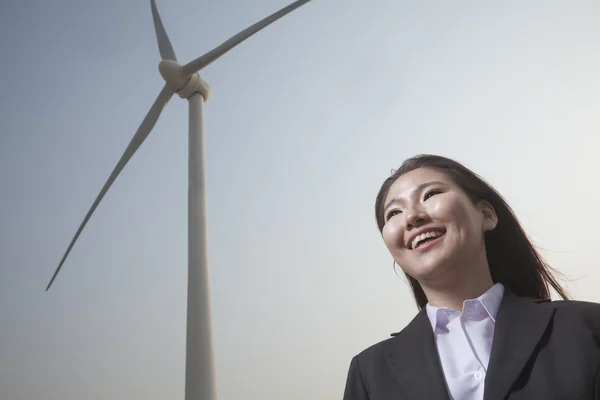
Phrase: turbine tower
(184,80)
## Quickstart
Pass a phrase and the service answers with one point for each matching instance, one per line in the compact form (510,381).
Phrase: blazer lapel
(520,324)
(414,361)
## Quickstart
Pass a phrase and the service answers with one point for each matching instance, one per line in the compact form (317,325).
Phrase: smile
(426,240)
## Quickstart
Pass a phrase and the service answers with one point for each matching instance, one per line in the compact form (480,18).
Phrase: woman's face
(432,227)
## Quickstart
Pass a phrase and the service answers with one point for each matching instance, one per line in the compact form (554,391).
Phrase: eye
(391,213)
(430,193)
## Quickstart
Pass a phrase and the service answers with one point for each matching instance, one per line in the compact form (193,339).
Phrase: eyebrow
(417,189)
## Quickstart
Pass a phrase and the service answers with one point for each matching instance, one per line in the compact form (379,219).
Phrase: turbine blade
(164,44)
(137,140)
(203,61)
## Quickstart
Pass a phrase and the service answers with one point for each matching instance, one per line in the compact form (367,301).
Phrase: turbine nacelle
(184,86)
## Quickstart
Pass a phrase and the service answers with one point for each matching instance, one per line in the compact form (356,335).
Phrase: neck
(452,293)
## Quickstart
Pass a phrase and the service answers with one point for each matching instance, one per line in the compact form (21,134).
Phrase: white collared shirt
(464,342)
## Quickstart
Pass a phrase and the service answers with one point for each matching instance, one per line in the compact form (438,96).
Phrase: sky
(305,121)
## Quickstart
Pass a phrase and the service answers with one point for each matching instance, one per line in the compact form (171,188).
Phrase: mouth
(427,239)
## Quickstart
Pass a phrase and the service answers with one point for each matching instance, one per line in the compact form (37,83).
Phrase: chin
(431,267)
(427,271)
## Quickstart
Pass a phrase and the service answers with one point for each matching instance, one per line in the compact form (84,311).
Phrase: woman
(486,328)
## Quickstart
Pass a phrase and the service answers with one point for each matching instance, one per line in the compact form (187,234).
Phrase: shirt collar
(490,300)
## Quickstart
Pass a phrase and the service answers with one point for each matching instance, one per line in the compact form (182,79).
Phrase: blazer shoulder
(586,307)
(588,311)
(375,350)
(406,337)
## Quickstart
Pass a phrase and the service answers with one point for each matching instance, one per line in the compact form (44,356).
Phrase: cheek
(392,234)
(449,210)
(443,208)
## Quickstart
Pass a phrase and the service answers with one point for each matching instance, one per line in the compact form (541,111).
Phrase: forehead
(410,181)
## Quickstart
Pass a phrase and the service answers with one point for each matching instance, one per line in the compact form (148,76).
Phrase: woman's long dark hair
(512,258)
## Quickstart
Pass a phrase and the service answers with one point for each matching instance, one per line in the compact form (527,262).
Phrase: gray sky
(305,121)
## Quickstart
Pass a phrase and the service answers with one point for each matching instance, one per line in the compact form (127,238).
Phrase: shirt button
(478,375)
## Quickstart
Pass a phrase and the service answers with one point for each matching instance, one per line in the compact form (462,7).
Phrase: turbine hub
(184,86)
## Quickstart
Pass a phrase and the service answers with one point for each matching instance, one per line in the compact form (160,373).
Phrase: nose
(414,218)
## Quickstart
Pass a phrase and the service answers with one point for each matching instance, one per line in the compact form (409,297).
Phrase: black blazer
(541,350)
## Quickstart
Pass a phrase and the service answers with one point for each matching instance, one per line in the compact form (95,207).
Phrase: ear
(490,219)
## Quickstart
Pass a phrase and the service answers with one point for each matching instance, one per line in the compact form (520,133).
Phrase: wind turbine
(200,383)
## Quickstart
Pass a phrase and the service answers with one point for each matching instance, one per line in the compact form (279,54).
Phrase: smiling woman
(486,328)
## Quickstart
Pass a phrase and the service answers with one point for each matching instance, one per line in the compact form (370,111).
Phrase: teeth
(424,236)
